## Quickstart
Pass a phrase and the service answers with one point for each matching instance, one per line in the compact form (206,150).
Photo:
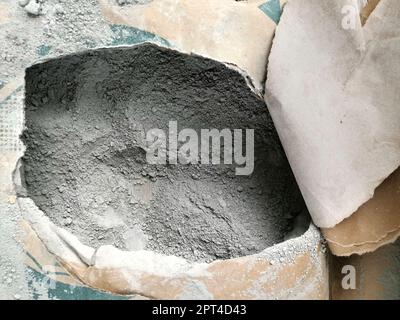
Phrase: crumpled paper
(332,91)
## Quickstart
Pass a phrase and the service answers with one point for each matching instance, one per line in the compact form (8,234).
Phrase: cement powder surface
(85,162)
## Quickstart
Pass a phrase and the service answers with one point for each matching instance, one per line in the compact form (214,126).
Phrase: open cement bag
(58,250)
(185,231)
(332,90)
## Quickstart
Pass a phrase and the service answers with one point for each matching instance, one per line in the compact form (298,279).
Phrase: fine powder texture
(85,161)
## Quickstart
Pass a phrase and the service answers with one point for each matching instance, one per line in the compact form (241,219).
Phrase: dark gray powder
(85,161)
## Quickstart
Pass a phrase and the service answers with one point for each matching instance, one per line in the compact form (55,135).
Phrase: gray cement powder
(85,164)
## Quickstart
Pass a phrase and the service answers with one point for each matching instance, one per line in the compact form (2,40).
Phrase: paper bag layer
(332,91)
(377,222)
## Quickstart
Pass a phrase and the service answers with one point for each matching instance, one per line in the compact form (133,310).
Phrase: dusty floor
(85,164)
